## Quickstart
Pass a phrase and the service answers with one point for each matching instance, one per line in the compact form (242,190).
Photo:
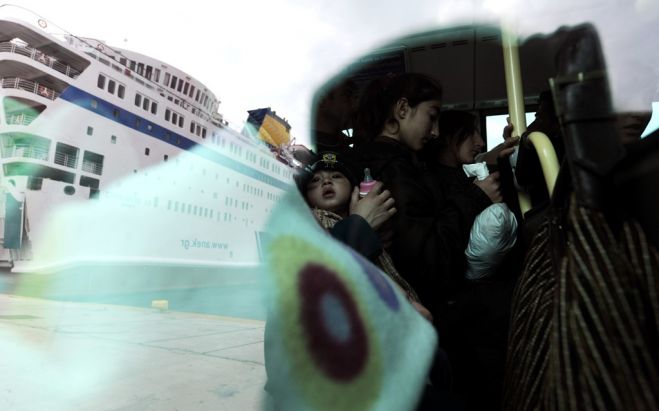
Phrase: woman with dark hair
(459,142)
(476,322)
(397,117)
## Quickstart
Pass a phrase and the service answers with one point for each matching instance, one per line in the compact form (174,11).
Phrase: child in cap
(332,192)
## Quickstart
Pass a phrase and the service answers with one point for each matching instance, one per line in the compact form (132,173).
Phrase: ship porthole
(69,190)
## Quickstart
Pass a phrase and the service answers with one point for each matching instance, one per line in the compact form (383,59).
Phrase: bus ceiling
(467,60)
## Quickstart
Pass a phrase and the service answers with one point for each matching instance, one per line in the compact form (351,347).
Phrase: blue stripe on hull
(105,109)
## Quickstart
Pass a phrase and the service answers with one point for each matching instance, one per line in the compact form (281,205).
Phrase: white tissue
(478,170)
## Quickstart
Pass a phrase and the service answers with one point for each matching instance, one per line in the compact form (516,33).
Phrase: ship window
(190,208)
(145,103)
(186,87)
(138,100)
(149,71)
(173,82)
(92,163)
(154,108)
(192,88)
(166,79)
(123,60)
(111,85)
(146,151)
(137,121)
(101,81)
(198,132)
(156,75)
(132,65)
(113,139)
(140,68)
(90,130)
(149,127)
(121,91)
(175,205)
(180,84)
(34,183)
(69,190)
(167,114)
(203,132)
(115,113)
(165,157)
(194,210)
(174,117)
(197,97)
(94,103)
(92,183)
(180,121)
(192,126)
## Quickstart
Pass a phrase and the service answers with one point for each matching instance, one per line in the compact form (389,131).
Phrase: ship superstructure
(113,132)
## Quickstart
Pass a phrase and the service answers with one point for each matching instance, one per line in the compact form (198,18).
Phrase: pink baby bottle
(366,185)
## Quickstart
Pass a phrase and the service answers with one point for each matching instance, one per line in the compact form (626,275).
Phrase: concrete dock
(87,356)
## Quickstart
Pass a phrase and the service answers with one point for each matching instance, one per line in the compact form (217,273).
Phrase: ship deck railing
(66,160)
(39,56)
(35,152)
(20,119)
(30,86)
(92,167)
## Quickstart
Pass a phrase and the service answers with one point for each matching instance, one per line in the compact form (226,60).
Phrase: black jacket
(431,226)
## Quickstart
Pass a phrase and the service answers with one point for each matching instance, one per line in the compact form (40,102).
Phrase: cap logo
(329,158)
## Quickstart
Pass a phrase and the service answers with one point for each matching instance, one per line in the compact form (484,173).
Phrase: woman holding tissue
(477,318)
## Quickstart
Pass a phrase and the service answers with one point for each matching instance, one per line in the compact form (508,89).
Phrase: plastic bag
(493,234)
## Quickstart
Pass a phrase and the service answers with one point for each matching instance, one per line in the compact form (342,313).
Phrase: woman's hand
(502,150)
(376,208)
(491,187)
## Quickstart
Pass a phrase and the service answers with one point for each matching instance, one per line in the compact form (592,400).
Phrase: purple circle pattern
(379,282)
(340,360)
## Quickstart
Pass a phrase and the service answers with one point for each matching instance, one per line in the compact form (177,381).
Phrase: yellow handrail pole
(515,94)
(514,88)
(547,157)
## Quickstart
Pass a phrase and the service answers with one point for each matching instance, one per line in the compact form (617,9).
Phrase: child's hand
(376,208)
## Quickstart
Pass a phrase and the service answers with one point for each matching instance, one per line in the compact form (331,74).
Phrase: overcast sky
(259,53)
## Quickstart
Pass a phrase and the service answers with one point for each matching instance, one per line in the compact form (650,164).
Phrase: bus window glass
(494,128)
(654,121)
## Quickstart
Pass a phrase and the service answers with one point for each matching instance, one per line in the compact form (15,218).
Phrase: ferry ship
(113,158)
